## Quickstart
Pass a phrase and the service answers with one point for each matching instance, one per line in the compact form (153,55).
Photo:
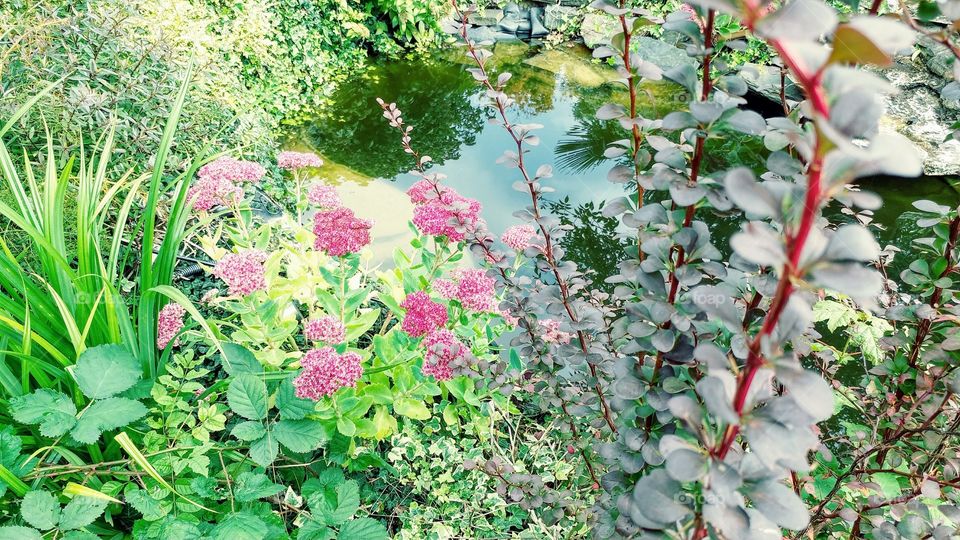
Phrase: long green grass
(60,288)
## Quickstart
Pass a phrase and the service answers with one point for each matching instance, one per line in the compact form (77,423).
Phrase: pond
(558,88)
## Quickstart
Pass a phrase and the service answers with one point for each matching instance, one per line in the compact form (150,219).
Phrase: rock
(512,18)
(554,16)
(597,28)
(765,81)
(662,54)
(575,65)
(486,17)
(537,29)
(487,33)
(918,113)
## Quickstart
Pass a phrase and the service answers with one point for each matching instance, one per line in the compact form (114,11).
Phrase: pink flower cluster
(218,182)
(324,196)
(472,287)
(242,272)
(339,231)
(323,372)
(519,237)
(552,332)
(441,211)
(211,191)
(442,349)
(292,161)
(327,329)
(423,314)
(169,323)
(232,169)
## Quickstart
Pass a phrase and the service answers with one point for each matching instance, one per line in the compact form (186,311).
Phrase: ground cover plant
(781,382)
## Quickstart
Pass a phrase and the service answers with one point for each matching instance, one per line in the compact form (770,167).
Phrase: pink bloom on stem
(324,196)
(323,372)
(242,272)
(169,323)
(552,332)
(327,329)
(423,314)
(441,211)
(472,287)
(291,161)
(232,170)
(442,349)
(519,237)
(209,192)
(339,231)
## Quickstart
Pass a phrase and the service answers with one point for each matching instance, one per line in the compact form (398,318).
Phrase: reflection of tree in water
(583,145)
(593,242)
(435,98)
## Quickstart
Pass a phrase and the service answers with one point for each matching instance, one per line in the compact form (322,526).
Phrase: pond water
(560,89)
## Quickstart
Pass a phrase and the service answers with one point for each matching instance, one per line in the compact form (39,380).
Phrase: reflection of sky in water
(477,175)
(441,102)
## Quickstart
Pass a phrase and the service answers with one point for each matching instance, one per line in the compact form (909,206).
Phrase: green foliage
(101,372)
(40,509)
(862,330)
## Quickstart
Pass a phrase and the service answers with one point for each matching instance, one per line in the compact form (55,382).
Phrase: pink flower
(518,237)
(445,214)
(324,196)
(423,314)
(552,332)
(232,170)
(211,191)
(442,349)
(339,231)
(472,287)
(292,161)
(242,272)
(327,329)
(323,372)
(169,323)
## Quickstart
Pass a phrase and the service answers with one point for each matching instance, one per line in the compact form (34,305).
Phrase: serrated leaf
(10,446)
(240,526)
(250,486)
(299,435)
(53,410)
(366,528)
(40,509)
(106,370)
(292,407)
(151,508)
(15,532)
(250,430)
(80,512)
(247,396)
(264,450)
(106,415)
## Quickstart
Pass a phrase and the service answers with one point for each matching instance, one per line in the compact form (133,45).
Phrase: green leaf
(411,408)
(40,509)
(80,512)
(10,446)
(80,535)
(105,415)
(240,526)
(247,396)
(313,529)
(151,508)
(366,528)
(250,430)
(14,532)
(237,360)
(380,393)
(335,506)
(291,407)
(263,451)
(106,370)
(250,486)
(299,435)
(346,427)
(53,410)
